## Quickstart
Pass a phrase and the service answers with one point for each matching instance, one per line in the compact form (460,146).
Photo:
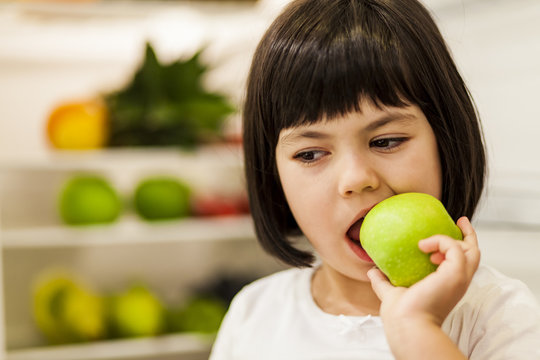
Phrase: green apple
(89,199)
(391,231)
(137,312)
(200,314)
(161,198)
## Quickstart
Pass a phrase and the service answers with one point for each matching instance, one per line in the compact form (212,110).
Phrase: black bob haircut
(318,59)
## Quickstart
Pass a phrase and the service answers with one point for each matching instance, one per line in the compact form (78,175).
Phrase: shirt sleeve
(498,320)
(510,326)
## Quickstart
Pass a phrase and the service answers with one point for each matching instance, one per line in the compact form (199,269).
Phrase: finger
(469,235)
(379,283)
(438,243)
(444,250)
(437,258)
(450,255)
(470,244)
(430,245)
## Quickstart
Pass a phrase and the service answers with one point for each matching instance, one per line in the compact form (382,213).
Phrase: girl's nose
(357,175)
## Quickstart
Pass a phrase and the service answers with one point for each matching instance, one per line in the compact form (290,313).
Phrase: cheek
(433,169)
(418,171)
(429,174)
(436,180)
(300,196)
(292,188)
(308,200)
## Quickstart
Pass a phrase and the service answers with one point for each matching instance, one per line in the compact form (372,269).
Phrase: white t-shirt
(277,318)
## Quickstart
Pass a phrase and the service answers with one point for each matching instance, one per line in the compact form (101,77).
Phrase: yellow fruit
(78,125)
(84,314)
(47,310)
(67,311)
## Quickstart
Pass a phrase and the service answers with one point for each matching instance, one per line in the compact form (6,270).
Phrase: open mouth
(353,235)
(354,231)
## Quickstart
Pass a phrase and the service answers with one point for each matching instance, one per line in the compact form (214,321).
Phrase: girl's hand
(430,300)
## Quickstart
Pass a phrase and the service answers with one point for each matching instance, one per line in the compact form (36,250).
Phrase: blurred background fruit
(89,199)
(162,105)
(68,311)
(205,309)
(78,125)
(136,312)
(199,314)
(220,204)
(162,198)
(223,286)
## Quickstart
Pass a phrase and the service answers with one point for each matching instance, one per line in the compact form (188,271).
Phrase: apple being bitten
(391,231)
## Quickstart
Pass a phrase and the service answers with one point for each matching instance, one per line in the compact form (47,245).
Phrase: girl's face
(333,172)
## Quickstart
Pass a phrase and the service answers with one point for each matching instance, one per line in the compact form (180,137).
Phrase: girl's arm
(413,316)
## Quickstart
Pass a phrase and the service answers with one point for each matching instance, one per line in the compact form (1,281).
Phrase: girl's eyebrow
(297,134)
(385,119)
(390,117)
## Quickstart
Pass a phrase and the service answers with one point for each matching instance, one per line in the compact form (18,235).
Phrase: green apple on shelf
(136,312)
(202,314)
(89,199)
(162,198)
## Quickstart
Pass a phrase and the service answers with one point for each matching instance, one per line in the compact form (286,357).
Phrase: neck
(338,294)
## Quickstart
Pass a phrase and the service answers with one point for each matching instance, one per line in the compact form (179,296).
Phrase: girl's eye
(387,143)
(309,156)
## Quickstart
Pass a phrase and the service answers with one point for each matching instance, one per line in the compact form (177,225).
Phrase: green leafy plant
(166,104)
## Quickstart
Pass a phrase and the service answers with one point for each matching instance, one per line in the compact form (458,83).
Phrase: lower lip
(359,251)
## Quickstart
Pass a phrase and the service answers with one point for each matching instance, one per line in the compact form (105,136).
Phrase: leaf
(166,105)
(148,82)
(185,79)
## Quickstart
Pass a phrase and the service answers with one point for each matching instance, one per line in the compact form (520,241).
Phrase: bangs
(335,60)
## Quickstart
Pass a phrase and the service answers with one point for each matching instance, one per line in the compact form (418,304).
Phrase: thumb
(379,283)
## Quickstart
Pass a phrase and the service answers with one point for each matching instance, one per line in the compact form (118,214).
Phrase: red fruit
(219,205)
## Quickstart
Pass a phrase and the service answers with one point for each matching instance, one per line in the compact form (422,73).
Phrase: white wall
(497,47)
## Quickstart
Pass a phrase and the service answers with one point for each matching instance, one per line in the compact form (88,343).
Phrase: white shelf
(131,231)
(124,158)
(143,348)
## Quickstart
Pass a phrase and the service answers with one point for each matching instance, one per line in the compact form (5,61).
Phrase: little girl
(348,103)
